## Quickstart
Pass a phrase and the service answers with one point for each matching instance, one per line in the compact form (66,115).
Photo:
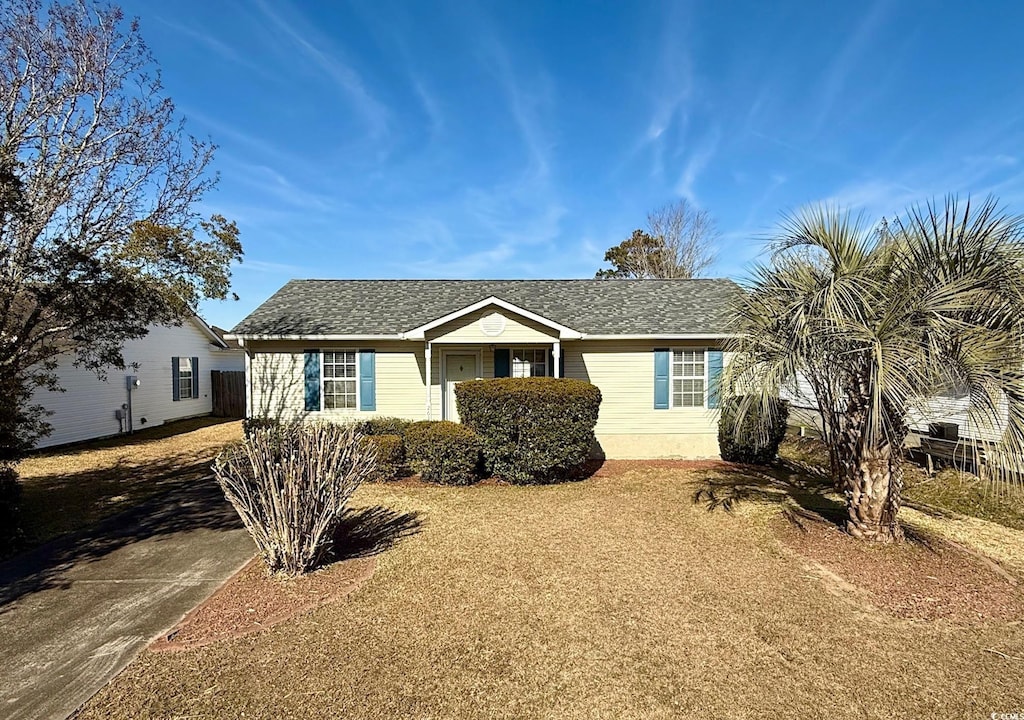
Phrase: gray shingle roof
(592,307)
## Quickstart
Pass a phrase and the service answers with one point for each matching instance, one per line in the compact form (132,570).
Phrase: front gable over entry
(492,321)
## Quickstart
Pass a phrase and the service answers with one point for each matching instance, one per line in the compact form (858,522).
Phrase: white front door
(456,369)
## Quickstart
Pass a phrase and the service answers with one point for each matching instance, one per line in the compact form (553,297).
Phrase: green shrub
(443,452)
(10,510)
(390,451)
(534,430)
(385,426)
(755,440)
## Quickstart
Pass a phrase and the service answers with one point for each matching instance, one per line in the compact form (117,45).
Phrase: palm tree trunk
(871,472)
(873,496)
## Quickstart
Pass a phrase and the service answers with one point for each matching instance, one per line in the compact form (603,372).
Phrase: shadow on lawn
(200,505)
(370,531)
(799,489)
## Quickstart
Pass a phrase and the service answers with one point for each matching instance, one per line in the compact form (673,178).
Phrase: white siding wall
(86,408)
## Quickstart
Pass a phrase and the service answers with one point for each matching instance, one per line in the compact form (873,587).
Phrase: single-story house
(167,377)
(353,349)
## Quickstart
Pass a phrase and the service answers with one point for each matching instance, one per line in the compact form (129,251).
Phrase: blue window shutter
(714,377)
(175,368)
(661,368)
(195,377)
(312,375)
(502,363)
(367,380)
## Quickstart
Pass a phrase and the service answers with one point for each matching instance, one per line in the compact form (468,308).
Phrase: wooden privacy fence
(227,389)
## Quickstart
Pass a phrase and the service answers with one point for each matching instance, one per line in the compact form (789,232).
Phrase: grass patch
(616,597)
(67,489)
(948,490)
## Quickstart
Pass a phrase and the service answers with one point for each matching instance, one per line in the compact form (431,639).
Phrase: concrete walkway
(74,612)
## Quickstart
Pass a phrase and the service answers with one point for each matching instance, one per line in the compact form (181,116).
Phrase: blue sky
(522,139)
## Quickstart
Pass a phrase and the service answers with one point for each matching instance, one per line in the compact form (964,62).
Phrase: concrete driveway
(74,612)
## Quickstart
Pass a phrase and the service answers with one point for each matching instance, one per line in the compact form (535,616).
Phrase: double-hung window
(689,378)
(529,362)
(184,379)
(339,375)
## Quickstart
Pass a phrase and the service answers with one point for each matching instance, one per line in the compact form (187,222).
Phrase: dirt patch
(252,600)
(918,579)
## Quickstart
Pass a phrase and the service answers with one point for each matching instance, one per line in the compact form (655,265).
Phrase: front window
(184,378)
(339,379)
(688,378)
(530,362)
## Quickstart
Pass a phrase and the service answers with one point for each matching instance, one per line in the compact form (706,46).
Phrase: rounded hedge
(443,452)
(390,451)
(384,426)
(757,437)
(534,430)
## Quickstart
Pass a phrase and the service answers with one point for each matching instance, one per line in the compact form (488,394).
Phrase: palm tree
(879,319)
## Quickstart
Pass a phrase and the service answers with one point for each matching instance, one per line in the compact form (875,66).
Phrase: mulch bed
(252,600)
(920,579)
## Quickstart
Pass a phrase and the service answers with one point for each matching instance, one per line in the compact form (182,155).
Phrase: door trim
(444,374)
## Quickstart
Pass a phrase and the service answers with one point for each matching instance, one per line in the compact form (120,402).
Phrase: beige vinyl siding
(467,329)
(277,379)
(628,425)
(624,371)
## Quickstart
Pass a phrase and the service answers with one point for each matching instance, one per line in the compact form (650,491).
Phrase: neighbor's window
(688,378)
(530,362)
(339,379)
(185,378)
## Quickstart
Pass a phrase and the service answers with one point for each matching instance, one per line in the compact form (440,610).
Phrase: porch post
(556,355)
(427,355)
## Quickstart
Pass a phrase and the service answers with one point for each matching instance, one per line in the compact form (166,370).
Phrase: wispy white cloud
(273,185)
(218,46)
(431,105)
(275,268)
(375,115)
(697,160)
(836,78)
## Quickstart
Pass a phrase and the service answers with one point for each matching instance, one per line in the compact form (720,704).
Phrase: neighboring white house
(170,379)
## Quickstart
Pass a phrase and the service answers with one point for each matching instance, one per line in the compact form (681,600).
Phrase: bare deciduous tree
(99,184)
(679,242)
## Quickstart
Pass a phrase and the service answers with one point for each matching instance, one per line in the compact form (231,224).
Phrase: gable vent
(492,325)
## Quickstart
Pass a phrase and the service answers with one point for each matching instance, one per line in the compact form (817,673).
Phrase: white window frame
(323,394)
(672,377)
(182,359)
(512,360)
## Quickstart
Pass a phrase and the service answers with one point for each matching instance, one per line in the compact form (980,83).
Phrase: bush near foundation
(390,452)
(385,426)
(534,430)
(443,452)
(753,439)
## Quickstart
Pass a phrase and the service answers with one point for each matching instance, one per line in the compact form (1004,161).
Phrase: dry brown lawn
(615,597)
(66,489)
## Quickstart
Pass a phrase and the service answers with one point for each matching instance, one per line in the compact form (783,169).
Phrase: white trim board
(565,333)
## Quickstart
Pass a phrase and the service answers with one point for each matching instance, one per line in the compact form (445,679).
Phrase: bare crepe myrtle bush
(290,485)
